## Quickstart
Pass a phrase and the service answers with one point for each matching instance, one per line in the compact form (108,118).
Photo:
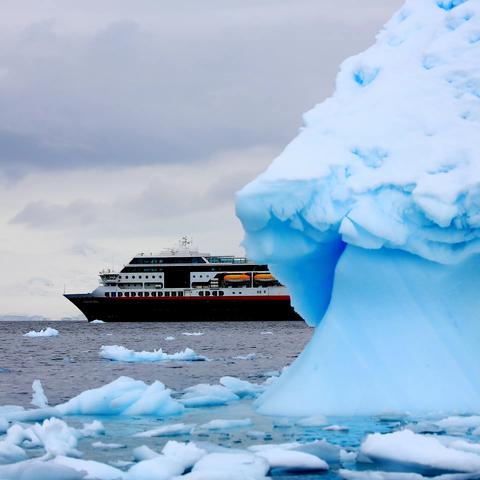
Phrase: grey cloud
(108,85)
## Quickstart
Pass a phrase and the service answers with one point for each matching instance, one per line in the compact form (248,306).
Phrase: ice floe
(249,356)
(46,332)
(96,322)
(206,395)
(108,446)
(39,399)
(421,452)
(124,396)
(119,353)
(220,424)
(171,430)
(242,388)
(292,460)
(193,334)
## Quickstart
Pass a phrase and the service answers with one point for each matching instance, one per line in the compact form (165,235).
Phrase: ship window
(160,294)
(154,294)
(207,293)
(221,293)
(107,294)
(126,276)
(200,294)
(146,276)
(133,276)
(133,294)
(167,294)
(147,294)
(214,294)
(127,294)
(113,294)
(180,294)
(120,294)
(174,294)
(140,294)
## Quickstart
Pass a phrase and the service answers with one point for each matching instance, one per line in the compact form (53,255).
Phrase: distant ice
(193,334)
(278,458)
(266,333)
(169,338)
(242,388)
(39,399)
(121,354)
(336,428)
(108,446)
(46,332)
(171,430)
(97,321)
(249,356)
(219,424)
(312,422)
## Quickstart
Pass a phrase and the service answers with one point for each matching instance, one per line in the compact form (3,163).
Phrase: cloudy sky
(127,124)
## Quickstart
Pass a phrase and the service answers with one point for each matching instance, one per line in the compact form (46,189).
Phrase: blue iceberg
(371,217)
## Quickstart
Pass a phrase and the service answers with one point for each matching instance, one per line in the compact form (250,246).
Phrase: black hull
(183,309)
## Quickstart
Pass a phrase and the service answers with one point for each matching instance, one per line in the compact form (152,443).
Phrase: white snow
(94,470)
(144,453)
(171,430)
(169,338)
(193,334)
(220,424)
(122,354)
(95,322)
(415,450)
(39,470)
(46,332)
(108,446)
(205,395)
(124,396)
(158,468)
(186,454)
(39,399)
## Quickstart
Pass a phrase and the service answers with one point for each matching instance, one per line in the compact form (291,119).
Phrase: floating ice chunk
(46,332)
(39,470)
(193,334)
(123,396)
(418,451)
(292,460)
(122,354)
(95,322)
(94,470)
(336,428)
(226,466)
(250,356)
(169,338)
(11,453)
(56,437)
(34,415)
(186,454)
(219,424)
(205,395)
(312,422)
(168,430)
(92,429)
(268,332)
(376,475)
(457,424)
(3,424)
(144,453)
(242,388)
(283,422)
(108,446)
(158,468)
(39,399)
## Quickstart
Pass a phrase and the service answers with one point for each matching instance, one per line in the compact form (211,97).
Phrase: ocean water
(70,363)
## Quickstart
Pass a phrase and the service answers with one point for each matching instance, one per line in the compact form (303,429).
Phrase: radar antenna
(185,243)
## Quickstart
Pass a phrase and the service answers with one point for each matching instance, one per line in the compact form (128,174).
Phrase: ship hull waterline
(193,309)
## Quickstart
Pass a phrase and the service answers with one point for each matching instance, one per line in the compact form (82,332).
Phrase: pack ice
(371,217)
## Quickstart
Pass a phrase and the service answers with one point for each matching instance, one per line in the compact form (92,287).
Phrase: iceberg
(371,218)
(39,399)
(46,332)
(121,354)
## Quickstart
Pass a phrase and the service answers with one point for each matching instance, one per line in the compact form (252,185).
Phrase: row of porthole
(146,276)
(143,294)
(207,293)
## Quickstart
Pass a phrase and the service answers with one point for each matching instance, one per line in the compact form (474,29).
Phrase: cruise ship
(182,284)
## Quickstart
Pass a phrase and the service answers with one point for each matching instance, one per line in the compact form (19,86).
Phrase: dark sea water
(70,363)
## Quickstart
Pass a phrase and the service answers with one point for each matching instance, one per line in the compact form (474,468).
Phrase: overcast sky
(126,124)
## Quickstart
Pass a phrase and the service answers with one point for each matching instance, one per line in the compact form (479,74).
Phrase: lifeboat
(264,277)
(236,278)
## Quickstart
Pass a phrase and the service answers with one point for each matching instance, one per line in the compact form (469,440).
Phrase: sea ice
(39,470)
(422,453)
(94,470)
(186,454)
(169,338)
(249,356)
(171,430)
(242,388)
(124,396)
(371,218)
(205,395)
(292,460)
(193,334)
(158,468)
(108,446)
(122,354)
(220,424)
(46,332)
(11,453)
(39,399)
(95,322)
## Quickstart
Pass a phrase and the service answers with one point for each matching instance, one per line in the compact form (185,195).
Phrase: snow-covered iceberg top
(122,354)
(46,332)
(393,157)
